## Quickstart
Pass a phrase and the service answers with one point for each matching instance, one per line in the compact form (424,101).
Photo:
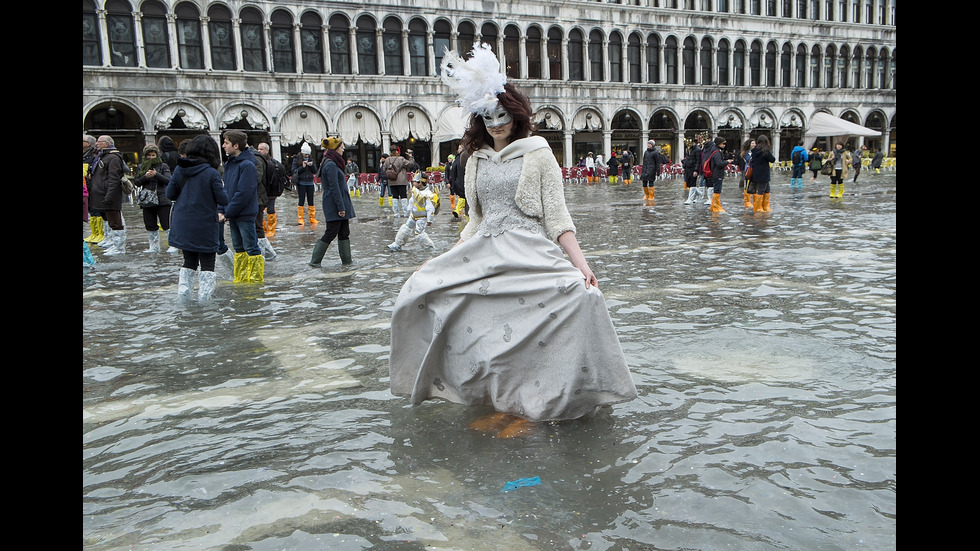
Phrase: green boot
(345,256)
(318,251)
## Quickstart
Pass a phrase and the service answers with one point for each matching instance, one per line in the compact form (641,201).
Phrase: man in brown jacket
(106,193)
(396,169)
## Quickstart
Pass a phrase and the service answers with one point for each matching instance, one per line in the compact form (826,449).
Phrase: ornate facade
(601,76)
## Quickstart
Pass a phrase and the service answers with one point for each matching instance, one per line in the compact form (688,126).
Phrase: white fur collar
(512,150)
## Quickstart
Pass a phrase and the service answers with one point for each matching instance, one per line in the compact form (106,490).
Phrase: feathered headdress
(476,81)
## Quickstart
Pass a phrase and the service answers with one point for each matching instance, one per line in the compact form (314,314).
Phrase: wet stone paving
(762,346)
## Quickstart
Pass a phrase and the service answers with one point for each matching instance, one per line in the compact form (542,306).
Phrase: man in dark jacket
(651,169)
(241,181)
(106,195)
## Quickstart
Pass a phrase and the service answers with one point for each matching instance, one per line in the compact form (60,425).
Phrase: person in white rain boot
(106,194)
(423,210)
(196,190)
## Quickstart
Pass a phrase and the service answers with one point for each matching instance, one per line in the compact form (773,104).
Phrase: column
(171,39)
(430,53)
(206,42)
(380,48)
(355,68)
(606,144)
(104,38)
(522,56)
(325,40)
(406,57)
(298,50)
(236,25)
(564,69)
(140,43)
(569,162)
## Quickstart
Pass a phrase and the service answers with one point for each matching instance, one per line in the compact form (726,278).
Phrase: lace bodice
(496,185)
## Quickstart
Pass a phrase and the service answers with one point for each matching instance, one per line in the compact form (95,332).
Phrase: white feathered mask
(477,81)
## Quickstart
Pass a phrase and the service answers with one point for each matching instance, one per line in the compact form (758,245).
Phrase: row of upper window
(223,49)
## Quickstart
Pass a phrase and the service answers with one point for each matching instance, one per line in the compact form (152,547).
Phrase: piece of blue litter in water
(515,484)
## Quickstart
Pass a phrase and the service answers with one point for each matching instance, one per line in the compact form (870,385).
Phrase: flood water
(763,347)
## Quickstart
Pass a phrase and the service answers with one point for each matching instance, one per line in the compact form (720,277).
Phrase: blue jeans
(243,235)
(797,171)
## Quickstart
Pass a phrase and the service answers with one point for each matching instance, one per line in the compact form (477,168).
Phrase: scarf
(147,164)
(334,156)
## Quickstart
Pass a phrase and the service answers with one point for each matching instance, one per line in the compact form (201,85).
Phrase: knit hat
(305,149)
(651,142)
(151,147)
(333,142)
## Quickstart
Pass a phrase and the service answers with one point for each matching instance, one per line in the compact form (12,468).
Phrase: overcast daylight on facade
(602,75)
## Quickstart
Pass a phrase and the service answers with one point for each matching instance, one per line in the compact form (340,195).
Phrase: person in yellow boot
(383,182)
(613,165)
(744,162)
(303,170)
(95,219)
(761,157)
(650,169)
(840,159)
(338,209)
(717,162)
(241,181)
(276,179)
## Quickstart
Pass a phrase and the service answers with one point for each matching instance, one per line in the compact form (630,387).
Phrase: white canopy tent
(837,129)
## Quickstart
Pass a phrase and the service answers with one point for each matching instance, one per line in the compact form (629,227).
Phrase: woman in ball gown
(504,318)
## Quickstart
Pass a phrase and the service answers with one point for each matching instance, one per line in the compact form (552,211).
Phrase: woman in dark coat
(761,157)
(196,190)
(338,210)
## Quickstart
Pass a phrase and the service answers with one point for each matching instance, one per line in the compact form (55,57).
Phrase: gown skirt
(504,319)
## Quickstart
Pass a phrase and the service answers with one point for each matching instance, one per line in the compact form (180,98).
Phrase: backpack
(390,173)
(276,179)
(798,157)
(706,166)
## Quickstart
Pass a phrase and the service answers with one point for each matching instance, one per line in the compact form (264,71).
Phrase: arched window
(189,44)
(512,51)
(222,38)
(595,56)
(391,41)
(367,46)
(689,63)
(555,53)
(755,64)
(156,43)
(283,52)
(488,35)
(122,39)
(724,78)
(670,60)
(418,61)
(707,62)
(771,64)
(785,65)
(870,63)
(465,36)
(843,63)
(338,34)
(653,59)
(801,66)
(738,62)
(883,63)
(801,10)
(829,65)
(787,8)
(253,40)
(311,43)
(441,41)
(576,68)
(533,47)
(91,44)
(633,58)
(815,62)
(615,57)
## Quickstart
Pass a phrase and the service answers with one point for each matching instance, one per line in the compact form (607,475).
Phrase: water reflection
(763,348)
